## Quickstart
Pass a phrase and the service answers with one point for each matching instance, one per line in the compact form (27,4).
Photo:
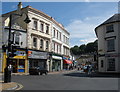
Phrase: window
(17,39)
(54,46)
(54,32)
(35,42)
(47,29)
(57,48)
(47,44)
(41,43)
(35,24)
(60,35)
(101,63)
(109,28)
(42,27)
(111,45)
(111,64)
(57,34)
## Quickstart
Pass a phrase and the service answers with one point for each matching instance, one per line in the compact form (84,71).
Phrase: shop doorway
(18,65)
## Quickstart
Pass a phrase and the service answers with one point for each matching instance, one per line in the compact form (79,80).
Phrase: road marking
(20,86)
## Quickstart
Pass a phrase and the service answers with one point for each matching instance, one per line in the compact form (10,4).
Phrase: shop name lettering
(20,53)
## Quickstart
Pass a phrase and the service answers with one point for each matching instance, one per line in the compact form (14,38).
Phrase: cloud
(83,29)
(87,0)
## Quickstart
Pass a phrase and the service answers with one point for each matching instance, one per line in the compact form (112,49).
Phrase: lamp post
(7,72)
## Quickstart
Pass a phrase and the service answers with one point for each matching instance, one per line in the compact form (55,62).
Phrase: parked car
(37,71)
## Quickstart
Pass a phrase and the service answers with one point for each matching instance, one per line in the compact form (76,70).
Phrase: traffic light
(13,50)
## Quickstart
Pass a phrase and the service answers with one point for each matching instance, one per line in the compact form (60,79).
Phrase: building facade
(44,47)
(108,45)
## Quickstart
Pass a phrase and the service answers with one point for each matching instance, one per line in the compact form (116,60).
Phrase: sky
(78,18)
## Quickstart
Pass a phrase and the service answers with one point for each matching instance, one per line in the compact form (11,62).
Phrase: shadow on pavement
(100,75)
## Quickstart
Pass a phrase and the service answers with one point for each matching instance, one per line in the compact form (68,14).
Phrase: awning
(67,61)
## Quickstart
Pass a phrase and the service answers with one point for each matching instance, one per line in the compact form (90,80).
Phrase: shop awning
(67,61)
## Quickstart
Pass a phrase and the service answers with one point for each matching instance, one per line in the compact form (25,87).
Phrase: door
(14,65)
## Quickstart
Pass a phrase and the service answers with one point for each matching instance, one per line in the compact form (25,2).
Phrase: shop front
(18,61)
(67,63)
(38,59)
(56,63)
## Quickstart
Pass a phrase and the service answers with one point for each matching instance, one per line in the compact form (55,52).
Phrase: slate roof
(114,18)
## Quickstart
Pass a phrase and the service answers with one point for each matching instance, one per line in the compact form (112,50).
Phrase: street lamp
(7,72)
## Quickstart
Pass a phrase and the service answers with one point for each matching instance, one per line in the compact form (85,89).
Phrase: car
(37,71)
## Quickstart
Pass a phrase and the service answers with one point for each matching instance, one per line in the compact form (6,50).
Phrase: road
(69,81)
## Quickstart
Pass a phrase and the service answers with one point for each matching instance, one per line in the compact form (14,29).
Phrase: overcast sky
(79,18)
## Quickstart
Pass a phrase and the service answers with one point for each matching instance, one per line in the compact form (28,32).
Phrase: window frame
(34,42)
(109,28)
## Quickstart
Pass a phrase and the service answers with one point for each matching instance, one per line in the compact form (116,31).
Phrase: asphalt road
(69,81)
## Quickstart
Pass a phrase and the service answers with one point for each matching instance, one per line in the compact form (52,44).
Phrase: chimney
(19,7)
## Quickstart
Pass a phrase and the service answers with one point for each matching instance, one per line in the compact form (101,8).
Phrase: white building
(109,45)
(47,40)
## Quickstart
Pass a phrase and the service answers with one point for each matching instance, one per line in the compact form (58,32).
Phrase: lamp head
(27,20)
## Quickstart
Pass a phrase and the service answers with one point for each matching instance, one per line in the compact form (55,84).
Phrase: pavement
(17,86)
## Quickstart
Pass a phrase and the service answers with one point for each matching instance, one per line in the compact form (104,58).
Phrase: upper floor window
(35,24)
(54,33)
(17,39)
(57,34)
(60,35)
(111,45)
(41,43)
(109,28)
(42,27)
(35,42)
(47,29)
(47,44)
(54,46)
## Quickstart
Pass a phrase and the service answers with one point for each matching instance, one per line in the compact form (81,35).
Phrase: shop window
(35,63)
(111,64)
(41,43)
(111,45)
(109,28)
(35,42)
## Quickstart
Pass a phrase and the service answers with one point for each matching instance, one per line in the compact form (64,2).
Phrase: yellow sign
(19,57)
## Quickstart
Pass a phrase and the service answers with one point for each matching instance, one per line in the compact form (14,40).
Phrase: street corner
(10,86)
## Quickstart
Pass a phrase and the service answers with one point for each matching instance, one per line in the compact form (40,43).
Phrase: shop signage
(57,57)
(20,53)
(37,55)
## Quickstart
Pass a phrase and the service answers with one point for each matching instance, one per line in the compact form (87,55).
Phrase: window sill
(110,31)
(111,51)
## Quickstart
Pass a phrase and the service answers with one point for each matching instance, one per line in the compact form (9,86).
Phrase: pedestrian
(89,69)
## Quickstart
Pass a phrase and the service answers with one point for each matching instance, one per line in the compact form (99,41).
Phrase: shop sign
(20,53)
(57,57)
(37,55)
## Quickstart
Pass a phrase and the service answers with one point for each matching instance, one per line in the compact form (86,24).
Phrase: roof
(114,18)
(42,14)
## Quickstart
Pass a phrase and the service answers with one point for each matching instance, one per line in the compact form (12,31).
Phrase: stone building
(46,39)
(109,45)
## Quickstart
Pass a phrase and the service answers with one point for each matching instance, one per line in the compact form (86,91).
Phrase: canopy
(67,61)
